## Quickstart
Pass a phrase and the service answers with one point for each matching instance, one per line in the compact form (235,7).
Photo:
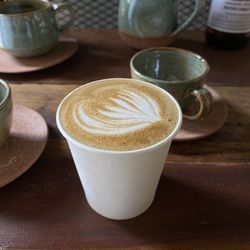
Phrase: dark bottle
(228,23)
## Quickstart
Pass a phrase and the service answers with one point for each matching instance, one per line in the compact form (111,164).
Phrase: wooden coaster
(28,138)
(200,128)
(64,49)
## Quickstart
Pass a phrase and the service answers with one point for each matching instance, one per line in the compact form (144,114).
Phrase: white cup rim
(136,151)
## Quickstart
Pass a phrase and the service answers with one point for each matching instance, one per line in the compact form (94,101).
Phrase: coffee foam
(118,114)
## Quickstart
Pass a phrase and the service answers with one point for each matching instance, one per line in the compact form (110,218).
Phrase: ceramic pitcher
(148,23)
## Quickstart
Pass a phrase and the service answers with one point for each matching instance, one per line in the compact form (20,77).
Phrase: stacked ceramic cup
(5,111)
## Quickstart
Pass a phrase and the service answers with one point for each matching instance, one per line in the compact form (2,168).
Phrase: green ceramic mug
(29,27)
(5,111)
(149,23)
(178,71)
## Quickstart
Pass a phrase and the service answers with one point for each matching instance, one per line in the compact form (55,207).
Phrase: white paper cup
(120,184)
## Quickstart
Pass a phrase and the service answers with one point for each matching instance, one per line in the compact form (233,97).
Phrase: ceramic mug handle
(205,100)
(199,6)
(58,7)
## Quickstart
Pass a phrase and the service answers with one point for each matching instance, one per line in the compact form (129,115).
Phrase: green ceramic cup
(178,71)
(29,28)
(5,111)
(150,23)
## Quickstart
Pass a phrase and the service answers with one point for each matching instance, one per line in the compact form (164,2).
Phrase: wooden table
(203,198)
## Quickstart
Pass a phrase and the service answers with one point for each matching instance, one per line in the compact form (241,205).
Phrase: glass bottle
(228,23)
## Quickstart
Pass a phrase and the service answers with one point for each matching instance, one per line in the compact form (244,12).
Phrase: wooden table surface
(203,198)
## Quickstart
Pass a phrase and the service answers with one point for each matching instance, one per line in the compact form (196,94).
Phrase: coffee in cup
(5,111)
(29,28)
(22,7)
(122,116)
(119,132)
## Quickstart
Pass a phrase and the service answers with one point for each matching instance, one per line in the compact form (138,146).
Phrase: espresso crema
(118,115)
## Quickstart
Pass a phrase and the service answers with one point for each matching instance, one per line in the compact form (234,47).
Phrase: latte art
(118,114)
(124,111)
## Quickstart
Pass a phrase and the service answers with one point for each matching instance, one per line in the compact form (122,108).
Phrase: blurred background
(102,14)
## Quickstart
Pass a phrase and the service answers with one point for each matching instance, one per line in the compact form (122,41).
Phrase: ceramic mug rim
(174,49)
(48,6)
(7,94)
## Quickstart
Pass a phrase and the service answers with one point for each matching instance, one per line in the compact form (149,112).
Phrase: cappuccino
(118,114)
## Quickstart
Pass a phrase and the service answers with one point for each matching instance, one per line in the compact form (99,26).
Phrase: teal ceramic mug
(180,72)
(152,23)
(5,111)
(29,27)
